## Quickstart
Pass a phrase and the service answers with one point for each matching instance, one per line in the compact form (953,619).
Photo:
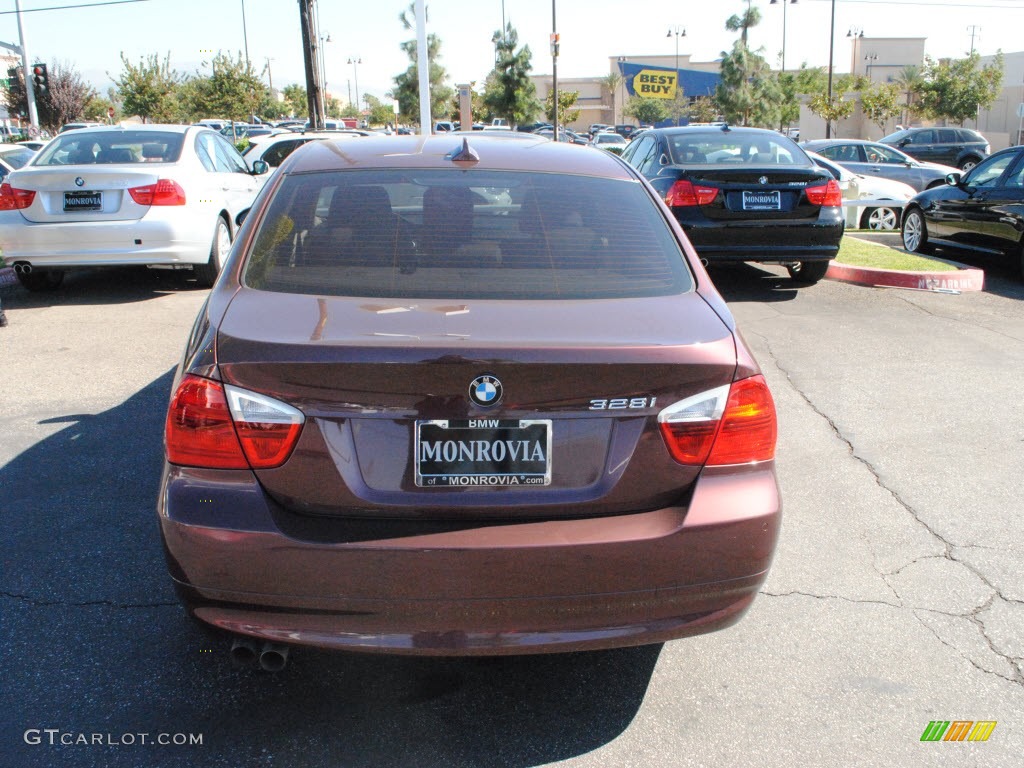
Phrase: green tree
(880,103)
(646,111)
(910,83)
(295,99)
(407,85)
(566,102)
(793,85)
(838,107)
(703,110)
(234,90)
(508,92)
(748,93)
(148,89)
(380,113)
(956,89)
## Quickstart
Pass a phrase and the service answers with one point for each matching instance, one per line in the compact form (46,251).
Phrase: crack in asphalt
(947,545)
(39,603)
(1017,679)
(799,593)
(937,316)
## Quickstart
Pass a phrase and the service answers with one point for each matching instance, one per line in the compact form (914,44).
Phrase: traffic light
(40,78)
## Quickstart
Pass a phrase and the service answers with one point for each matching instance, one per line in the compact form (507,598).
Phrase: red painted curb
(964,279)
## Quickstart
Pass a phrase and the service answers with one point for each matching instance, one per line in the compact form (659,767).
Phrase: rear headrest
(359,206)
(119,155)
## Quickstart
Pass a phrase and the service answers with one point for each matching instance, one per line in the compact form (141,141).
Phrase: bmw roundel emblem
(763,180)
(79,182)
(485,391)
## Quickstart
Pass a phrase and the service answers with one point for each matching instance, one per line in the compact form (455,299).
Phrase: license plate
(83,201)
(767,200)
(483,452)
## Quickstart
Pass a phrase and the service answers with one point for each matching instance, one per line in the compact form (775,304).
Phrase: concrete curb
(964,279)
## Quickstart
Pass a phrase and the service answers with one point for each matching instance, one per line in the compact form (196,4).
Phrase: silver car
(165,195)
(869,158)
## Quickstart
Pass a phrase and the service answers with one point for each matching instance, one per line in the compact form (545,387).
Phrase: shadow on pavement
(743,281)
(94,287)
(95,643)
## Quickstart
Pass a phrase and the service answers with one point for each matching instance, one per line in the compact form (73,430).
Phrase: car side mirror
(259,167)
(242,214)
(953,179)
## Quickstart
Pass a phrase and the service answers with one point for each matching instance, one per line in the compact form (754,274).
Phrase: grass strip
(863,253)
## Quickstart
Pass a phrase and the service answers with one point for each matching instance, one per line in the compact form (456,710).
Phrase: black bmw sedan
(981,211)
(745,194)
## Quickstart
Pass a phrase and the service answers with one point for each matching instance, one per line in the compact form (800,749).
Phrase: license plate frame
(458,452)
(769,200)
(91,200)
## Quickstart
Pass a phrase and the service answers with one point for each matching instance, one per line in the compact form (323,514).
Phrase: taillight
(164,192)
(685,193)
(728,425)
(826,195)
(223,427)
(13,199)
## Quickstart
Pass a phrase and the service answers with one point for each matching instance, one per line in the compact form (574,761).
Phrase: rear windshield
(106,147)
(715,147)
(17,158)
(464,234)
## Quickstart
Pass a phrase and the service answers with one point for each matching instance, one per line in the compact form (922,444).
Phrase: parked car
(609,140)
(960,147)
(869,158)
(981,211)
(745,194)
(564,135)
(597,128)
(77,126)
(444,126)
(163,195)
(13,157)
(240,131)
(33,144)
(531,127)
(855,186)
(273,149)
(625,130)
(426,421)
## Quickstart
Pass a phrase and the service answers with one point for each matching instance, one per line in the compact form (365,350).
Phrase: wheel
(206,274)
(967,163)
(915,233)
(808,272)
(886,219)
(41,279)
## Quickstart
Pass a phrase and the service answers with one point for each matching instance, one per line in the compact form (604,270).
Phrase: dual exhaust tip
(271,657)
(22,268)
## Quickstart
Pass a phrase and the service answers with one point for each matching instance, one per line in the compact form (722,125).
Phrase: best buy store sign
(655,84)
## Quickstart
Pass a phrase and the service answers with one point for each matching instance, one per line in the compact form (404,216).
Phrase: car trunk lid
(376,379)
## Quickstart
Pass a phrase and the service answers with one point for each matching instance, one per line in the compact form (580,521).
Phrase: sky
(368,31)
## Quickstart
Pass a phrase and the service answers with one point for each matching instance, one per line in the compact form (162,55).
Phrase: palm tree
(611,82)
(750,18)
(909,81)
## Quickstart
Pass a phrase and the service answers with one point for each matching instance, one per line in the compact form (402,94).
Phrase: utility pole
(26,68)
(314,102)
(974,29)
(831,48)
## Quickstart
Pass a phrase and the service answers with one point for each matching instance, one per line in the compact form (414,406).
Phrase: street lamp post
(784,3)
(871,58)
(323,68)
(355,61)
(677,32)
(857,34)
(621,60)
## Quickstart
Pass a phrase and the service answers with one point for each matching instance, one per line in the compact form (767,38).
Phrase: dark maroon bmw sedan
(465,396)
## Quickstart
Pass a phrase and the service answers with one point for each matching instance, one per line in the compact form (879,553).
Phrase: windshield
(16,158)
(464,235)
(117,146)
(717,147)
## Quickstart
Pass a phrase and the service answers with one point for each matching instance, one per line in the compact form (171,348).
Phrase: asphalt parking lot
(896,597)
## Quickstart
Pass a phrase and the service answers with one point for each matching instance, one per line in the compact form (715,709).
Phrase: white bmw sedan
(155,195)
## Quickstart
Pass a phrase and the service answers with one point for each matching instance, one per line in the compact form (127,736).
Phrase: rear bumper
(784,240)
(150,240)
(475,588)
